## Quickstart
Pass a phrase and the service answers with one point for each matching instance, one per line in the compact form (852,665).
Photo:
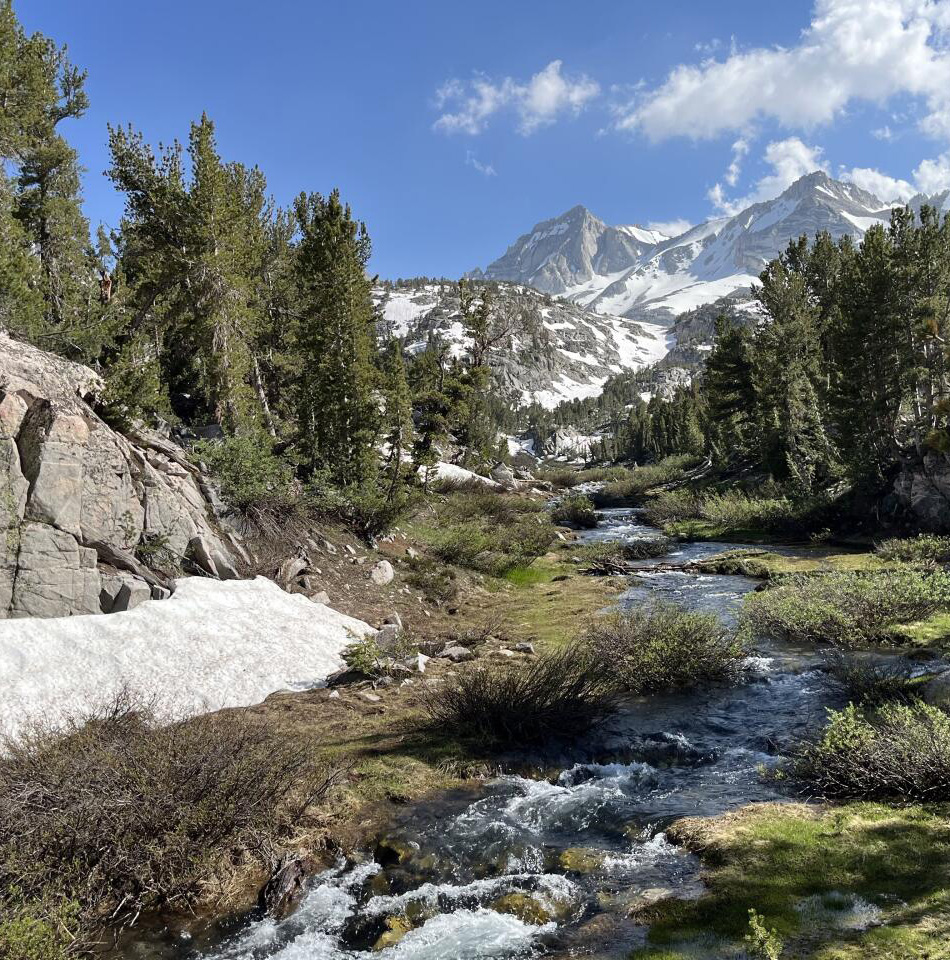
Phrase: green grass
(772,857)
(932,632)
(530,576)
(538,609)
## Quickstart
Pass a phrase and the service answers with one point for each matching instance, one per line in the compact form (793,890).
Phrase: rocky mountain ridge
(579,257)
(555,350)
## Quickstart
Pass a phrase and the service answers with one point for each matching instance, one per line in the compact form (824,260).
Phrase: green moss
(933,632)
(765,564)
(530,576)
(772,857)
(538,608)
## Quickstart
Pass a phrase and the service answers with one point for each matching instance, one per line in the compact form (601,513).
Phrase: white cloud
(789,160)
(537,102)
(884,187)
(739,149)
(883,133)
(933,176)
(868,50)
(930,176)
(670,228)
(485,169)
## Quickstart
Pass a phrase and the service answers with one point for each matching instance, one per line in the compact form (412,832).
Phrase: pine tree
(41,89)
(338,417)
(196,253)
(398,412)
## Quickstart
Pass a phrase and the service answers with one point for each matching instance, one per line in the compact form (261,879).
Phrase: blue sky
(452,128)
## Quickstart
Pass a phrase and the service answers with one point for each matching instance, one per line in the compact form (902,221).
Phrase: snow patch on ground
(212,644)
(450,471)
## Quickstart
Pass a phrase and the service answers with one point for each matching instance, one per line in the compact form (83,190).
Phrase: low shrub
(501,508)
(735,511)
(672,506)
(926,548)
(575,511)
(119,813)
(845,609)
(38,930)
(740,511)
(663,647)
(610,557)
(248,473)
(525,702)
(567,477)
(895,752)
(491,532)
(652,475)
(436,582)
(869,681)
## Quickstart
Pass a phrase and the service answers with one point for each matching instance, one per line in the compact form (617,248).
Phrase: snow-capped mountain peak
(638,273)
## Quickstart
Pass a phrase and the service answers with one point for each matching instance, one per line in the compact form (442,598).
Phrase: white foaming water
(322,912)
(467,935)
(844,911)
(549,888)
(758,666)
(312,932)
(573,802)
(653,851)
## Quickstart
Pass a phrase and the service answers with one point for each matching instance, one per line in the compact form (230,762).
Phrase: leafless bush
(868,680)
(121,813)
(555,694)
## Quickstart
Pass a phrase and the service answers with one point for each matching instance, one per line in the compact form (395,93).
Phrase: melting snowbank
(212,644)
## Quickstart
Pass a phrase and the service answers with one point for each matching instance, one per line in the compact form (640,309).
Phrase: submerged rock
(522,906)
(581,859)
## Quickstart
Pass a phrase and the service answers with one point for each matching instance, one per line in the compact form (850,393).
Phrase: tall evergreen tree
(41,89)
(338,416)
(196,252)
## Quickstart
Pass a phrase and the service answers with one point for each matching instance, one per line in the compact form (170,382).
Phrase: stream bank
(561,861)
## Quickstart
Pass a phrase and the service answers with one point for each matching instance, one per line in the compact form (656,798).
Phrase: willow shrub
(895,752)
(847,609)
(926,548)
(663,647)
(650,476)
(558,693)
(575,511)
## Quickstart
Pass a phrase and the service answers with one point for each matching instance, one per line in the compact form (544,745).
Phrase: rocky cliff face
(80,502)
(922,489)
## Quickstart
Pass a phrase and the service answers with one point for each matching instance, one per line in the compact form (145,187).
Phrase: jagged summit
(635,272)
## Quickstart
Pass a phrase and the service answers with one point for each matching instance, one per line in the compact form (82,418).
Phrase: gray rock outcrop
(923,490)
(81,504)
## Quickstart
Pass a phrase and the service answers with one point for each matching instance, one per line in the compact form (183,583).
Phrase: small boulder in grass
(936,691)
(382,574)
(387,636)
(456,653)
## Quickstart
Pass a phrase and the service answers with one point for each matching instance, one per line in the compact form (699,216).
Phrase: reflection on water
(566,857)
